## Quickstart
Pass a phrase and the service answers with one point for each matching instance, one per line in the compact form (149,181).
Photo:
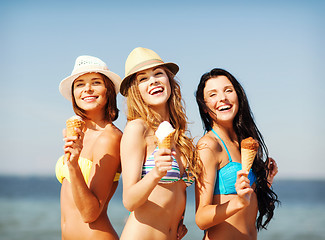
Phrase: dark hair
(244,127)
(111,110)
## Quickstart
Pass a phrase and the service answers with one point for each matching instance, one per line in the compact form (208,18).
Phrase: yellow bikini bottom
(62,171)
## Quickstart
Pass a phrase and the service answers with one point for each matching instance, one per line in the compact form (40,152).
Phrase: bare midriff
(239,226)
(166,205)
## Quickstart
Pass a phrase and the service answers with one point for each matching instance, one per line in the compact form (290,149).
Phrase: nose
(222,96)
(88,87)
(153,80)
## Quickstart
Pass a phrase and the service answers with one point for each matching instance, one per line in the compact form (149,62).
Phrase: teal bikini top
(227,175)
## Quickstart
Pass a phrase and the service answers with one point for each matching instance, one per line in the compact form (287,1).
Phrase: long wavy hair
(244,126)
(137,108)
(110,110)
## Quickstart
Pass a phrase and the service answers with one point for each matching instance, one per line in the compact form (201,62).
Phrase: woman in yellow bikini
(90,174)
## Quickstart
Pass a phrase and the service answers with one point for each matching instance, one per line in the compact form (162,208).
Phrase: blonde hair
(137,108)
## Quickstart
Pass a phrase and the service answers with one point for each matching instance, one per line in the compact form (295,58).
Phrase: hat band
(90,68)
(145,63)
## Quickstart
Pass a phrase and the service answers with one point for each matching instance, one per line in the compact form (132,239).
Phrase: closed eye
(97,82)
(158,73)
(79,85)
(142,79)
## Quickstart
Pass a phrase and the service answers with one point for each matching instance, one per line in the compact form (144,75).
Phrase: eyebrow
(229,86)
(139,74)
(157,68)
(80,80)
(154,69)
(212,90)
(215,90)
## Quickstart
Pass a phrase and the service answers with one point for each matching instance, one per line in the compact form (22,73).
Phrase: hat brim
(125,84)
(66,84)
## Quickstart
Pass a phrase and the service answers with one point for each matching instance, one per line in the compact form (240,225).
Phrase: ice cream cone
(165,135)
(167,142)
(71,124)
(249,148)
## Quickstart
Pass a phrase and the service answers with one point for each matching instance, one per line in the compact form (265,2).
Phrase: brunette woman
(231,203)
(89,171)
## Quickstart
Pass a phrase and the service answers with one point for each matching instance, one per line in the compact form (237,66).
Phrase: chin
(225,119)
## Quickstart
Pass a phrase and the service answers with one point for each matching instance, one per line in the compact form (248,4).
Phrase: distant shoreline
(283,179)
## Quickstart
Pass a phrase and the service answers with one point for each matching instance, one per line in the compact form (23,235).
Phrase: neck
(225,131)
(96,121)
(163,113)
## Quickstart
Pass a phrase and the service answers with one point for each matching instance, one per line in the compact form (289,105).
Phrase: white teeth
(224,108)
(156,90)
(89,98)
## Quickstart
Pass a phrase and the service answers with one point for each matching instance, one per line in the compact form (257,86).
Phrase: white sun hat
(87,64)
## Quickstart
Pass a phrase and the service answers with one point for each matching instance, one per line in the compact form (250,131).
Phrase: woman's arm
(133,152)
(208,214)
(91,199)
(181,229)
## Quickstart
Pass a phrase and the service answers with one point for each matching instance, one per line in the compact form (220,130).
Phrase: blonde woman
(90,175)
(153,191)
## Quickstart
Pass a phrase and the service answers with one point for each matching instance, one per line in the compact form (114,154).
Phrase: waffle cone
(71,124)
(247,158)
(167,142)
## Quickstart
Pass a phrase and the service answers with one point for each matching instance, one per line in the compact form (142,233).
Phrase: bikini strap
(215,133)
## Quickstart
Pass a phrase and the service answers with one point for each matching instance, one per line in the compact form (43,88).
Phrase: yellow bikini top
(62,171)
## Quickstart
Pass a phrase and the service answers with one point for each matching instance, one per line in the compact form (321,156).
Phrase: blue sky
(274,48)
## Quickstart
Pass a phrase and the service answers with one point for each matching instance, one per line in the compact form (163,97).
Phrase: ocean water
(30,210)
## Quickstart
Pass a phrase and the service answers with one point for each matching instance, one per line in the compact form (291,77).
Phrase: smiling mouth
(90,98)
(224,108)
(156,90)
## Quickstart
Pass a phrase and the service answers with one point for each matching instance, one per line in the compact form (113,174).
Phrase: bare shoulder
(137,123)
(134,139)
(111,137)
(207,143)
(136,127)
(208,148)
(112,131)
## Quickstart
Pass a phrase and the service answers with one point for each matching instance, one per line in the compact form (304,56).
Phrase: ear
(206,109)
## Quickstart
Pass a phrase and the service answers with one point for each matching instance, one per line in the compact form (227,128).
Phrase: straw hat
(141,59)
(87,64)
